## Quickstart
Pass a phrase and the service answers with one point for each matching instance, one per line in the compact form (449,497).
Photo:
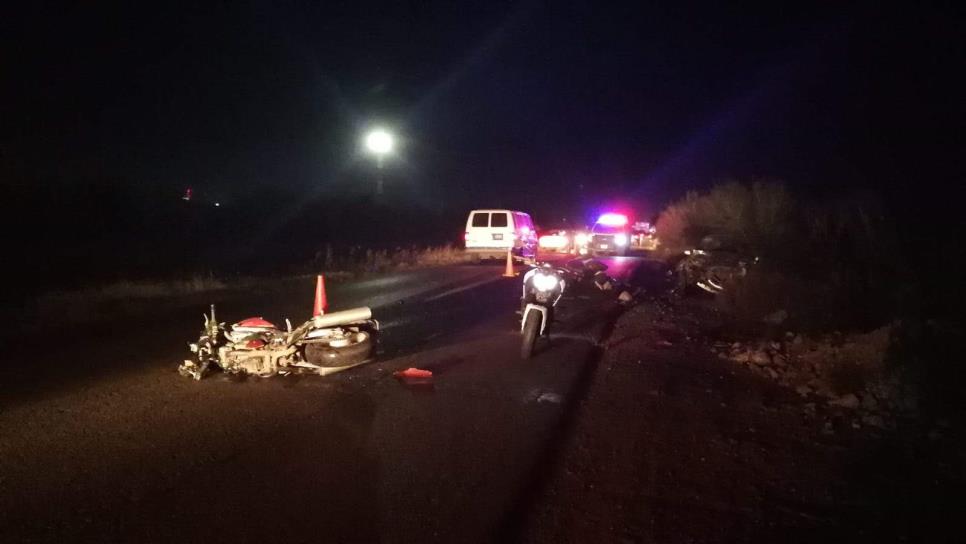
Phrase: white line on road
(463,288)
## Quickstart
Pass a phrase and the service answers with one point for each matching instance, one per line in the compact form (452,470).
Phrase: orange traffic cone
(321,302)
(509,265)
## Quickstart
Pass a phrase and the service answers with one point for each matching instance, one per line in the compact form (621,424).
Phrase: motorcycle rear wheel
(333,354)
(530,331)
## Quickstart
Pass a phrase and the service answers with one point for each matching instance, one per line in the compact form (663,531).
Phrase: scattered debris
(549,397)
(873,420)
(413,373)
(541,396)
(845,401)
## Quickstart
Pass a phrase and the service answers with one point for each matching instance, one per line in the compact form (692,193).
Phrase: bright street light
(379,143)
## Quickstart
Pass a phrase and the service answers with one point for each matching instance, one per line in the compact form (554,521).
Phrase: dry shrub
(754,217)
(435,256)
(674,224)
(829,264)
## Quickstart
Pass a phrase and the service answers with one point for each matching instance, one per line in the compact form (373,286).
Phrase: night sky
(528,104)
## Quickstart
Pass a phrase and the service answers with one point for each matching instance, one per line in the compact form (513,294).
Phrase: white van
(490,233)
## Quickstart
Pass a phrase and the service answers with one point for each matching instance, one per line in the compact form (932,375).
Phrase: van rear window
(499,220)
(481,219)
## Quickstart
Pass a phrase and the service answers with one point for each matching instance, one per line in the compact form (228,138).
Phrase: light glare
(554,241)
(544,282)
(379,142)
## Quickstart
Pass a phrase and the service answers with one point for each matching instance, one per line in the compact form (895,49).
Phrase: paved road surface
(101,440)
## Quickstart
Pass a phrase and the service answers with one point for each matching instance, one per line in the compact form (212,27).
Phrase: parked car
(490,233)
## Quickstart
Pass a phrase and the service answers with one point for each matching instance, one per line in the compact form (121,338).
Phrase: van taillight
(466,236)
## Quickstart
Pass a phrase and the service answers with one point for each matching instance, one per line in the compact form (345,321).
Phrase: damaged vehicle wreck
(322,345)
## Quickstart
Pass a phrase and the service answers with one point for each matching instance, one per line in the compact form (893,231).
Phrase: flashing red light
(613,219)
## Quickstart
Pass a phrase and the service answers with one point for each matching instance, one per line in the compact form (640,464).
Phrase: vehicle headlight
(581,238)
(544,282)
(620,239)
(553,241)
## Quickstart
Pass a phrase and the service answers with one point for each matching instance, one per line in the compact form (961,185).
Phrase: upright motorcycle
(543,287)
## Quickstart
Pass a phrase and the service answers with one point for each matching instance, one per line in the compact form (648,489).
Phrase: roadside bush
(826,264)
(756,218)
(874,309)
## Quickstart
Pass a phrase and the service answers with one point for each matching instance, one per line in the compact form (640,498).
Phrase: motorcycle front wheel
(353,349)
(530,331)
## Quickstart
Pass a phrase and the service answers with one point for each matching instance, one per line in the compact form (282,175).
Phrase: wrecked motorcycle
(712,272)
(257,347)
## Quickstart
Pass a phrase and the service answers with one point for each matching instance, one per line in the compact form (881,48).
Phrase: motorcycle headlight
(620,239)
(544,282)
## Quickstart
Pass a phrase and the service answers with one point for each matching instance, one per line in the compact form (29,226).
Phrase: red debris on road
(413,373)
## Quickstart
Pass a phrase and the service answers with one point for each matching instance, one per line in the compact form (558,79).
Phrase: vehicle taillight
(466,236)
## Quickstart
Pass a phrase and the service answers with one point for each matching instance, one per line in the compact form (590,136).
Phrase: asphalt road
(102,440)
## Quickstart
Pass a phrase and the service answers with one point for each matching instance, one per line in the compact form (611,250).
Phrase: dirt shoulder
(676,444)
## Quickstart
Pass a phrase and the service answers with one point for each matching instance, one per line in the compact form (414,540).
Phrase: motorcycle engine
(263,361)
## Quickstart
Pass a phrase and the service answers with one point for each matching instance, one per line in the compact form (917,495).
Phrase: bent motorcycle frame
(216,347)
